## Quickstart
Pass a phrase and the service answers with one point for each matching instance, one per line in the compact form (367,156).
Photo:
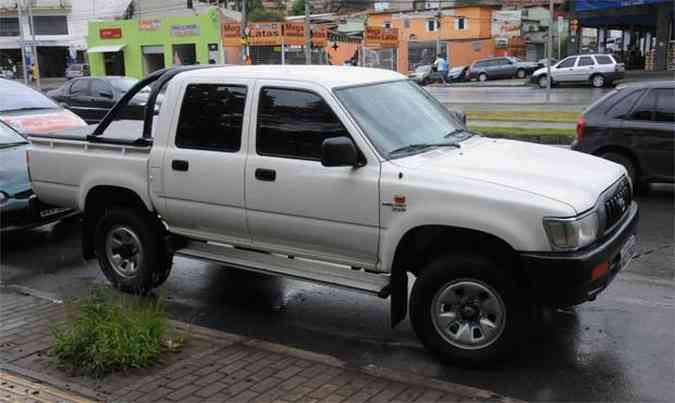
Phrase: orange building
(465,34)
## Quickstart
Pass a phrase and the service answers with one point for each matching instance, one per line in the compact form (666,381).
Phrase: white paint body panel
(338,215)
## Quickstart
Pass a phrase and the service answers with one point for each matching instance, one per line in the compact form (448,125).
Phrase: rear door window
(624,104)
(211,117)
(80,88)
(665,105)
(101,89)
(645,108)
(585,61)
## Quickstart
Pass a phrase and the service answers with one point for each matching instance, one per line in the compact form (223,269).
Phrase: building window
(406,22)
(51,24)
(387,24)
(9,26)
(432,25)
(461,24)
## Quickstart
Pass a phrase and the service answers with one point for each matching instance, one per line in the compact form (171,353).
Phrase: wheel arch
(95,203)
(626,152)
(431,241)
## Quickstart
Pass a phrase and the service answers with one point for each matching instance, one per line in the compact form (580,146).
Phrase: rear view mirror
(339,152)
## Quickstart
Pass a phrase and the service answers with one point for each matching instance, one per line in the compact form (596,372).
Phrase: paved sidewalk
(213,366)
(15,388)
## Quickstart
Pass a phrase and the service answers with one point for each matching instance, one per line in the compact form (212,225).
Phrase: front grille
(617,203)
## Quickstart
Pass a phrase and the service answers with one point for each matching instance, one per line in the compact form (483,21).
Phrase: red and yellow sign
(294,34)
(149,25)
(265,34)
(110,33)
(231,34)
(319,36)
(380,37)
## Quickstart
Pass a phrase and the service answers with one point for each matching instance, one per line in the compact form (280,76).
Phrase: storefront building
(464,34)
(138,47)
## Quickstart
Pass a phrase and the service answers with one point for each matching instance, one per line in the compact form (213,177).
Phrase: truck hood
(570,177)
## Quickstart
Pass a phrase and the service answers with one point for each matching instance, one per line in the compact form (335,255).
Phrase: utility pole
(308,36)
(242,32)
(438,30)
(35,55)
(559,31)
(550,53)
(22,42)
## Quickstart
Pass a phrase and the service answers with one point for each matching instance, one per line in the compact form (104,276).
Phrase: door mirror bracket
(339,152)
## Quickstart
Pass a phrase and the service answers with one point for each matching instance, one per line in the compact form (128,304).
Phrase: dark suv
(500,67)
(634,126)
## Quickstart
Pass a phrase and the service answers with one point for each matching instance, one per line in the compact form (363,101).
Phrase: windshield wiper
(422,146)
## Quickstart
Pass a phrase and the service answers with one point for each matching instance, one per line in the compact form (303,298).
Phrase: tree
(298,7)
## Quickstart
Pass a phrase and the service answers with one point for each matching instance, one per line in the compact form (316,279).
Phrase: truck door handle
(266,175)
(180,165)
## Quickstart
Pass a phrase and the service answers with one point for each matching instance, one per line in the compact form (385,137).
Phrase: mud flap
(399,297)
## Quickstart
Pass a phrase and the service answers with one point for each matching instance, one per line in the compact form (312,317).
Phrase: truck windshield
(399,115)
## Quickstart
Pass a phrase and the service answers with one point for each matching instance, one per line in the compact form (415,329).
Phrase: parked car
(27,110)
(635,127)
(92,97)
(542,62)
(19,208)
(424,74)
(500,67)
(77,70)
(7,72)
(596,69)
(255,166)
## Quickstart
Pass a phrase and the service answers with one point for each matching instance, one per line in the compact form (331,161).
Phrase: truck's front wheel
(130,250)
(467,311)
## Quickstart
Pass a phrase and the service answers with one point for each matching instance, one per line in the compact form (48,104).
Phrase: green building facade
(138,47)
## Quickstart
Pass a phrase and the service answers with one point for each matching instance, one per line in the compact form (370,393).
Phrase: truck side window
(211,117)
(665,105)
(645,108)
(294,124)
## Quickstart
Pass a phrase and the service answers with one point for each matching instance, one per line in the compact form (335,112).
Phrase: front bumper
(22,214)
(566,278)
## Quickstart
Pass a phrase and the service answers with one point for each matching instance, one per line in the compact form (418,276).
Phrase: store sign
(149,25)
(231,34)
(265,34)
(185,30)
(506,24)
(294,34)
(379,37)
(319,36)
(110,33)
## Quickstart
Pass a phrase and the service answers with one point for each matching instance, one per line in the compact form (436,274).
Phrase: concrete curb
(230,339)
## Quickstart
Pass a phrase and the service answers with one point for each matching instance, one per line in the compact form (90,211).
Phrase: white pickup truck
(346,177)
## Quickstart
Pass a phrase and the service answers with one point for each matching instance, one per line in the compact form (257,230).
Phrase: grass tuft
(106,332)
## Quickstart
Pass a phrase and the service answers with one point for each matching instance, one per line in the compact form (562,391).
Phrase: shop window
(406,22)
(9,26)
(294,124)
(211,117)
(51,24)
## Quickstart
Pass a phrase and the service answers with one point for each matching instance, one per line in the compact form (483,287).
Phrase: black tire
(521,73)
(153,261)
(598,81)
(449,271)
(542,81)
(482,77)
(627,163)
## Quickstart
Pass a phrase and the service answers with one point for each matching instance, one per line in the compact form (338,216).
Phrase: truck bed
(124,132)
(64,164)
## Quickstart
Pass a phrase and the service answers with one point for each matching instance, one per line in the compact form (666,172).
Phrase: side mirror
(339,152)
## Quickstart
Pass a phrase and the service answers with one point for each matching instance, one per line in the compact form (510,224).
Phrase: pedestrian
(442,68)
(33,73)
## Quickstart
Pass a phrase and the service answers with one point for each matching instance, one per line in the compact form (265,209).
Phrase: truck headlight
(572,233)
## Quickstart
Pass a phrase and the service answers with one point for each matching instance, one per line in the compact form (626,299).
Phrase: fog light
(600,270)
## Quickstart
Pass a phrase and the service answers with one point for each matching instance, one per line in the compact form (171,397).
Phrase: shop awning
(105,49)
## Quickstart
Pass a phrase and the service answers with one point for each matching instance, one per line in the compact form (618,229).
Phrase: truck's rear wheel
(130,250)
(464,309)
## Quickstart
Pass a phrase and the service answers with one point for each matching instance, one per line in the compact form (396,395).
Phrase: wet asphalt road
(618,348)
(516,96)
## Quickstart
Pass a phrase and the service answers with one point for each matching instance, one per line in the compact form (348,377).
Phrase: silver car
(597,69)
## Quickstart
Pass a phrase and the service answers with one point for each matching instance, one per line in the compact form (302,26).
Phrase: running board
(299,269)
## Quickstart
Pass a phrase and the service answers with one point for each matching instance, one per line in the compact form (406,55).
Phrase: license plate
(628,250)
(51,212)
